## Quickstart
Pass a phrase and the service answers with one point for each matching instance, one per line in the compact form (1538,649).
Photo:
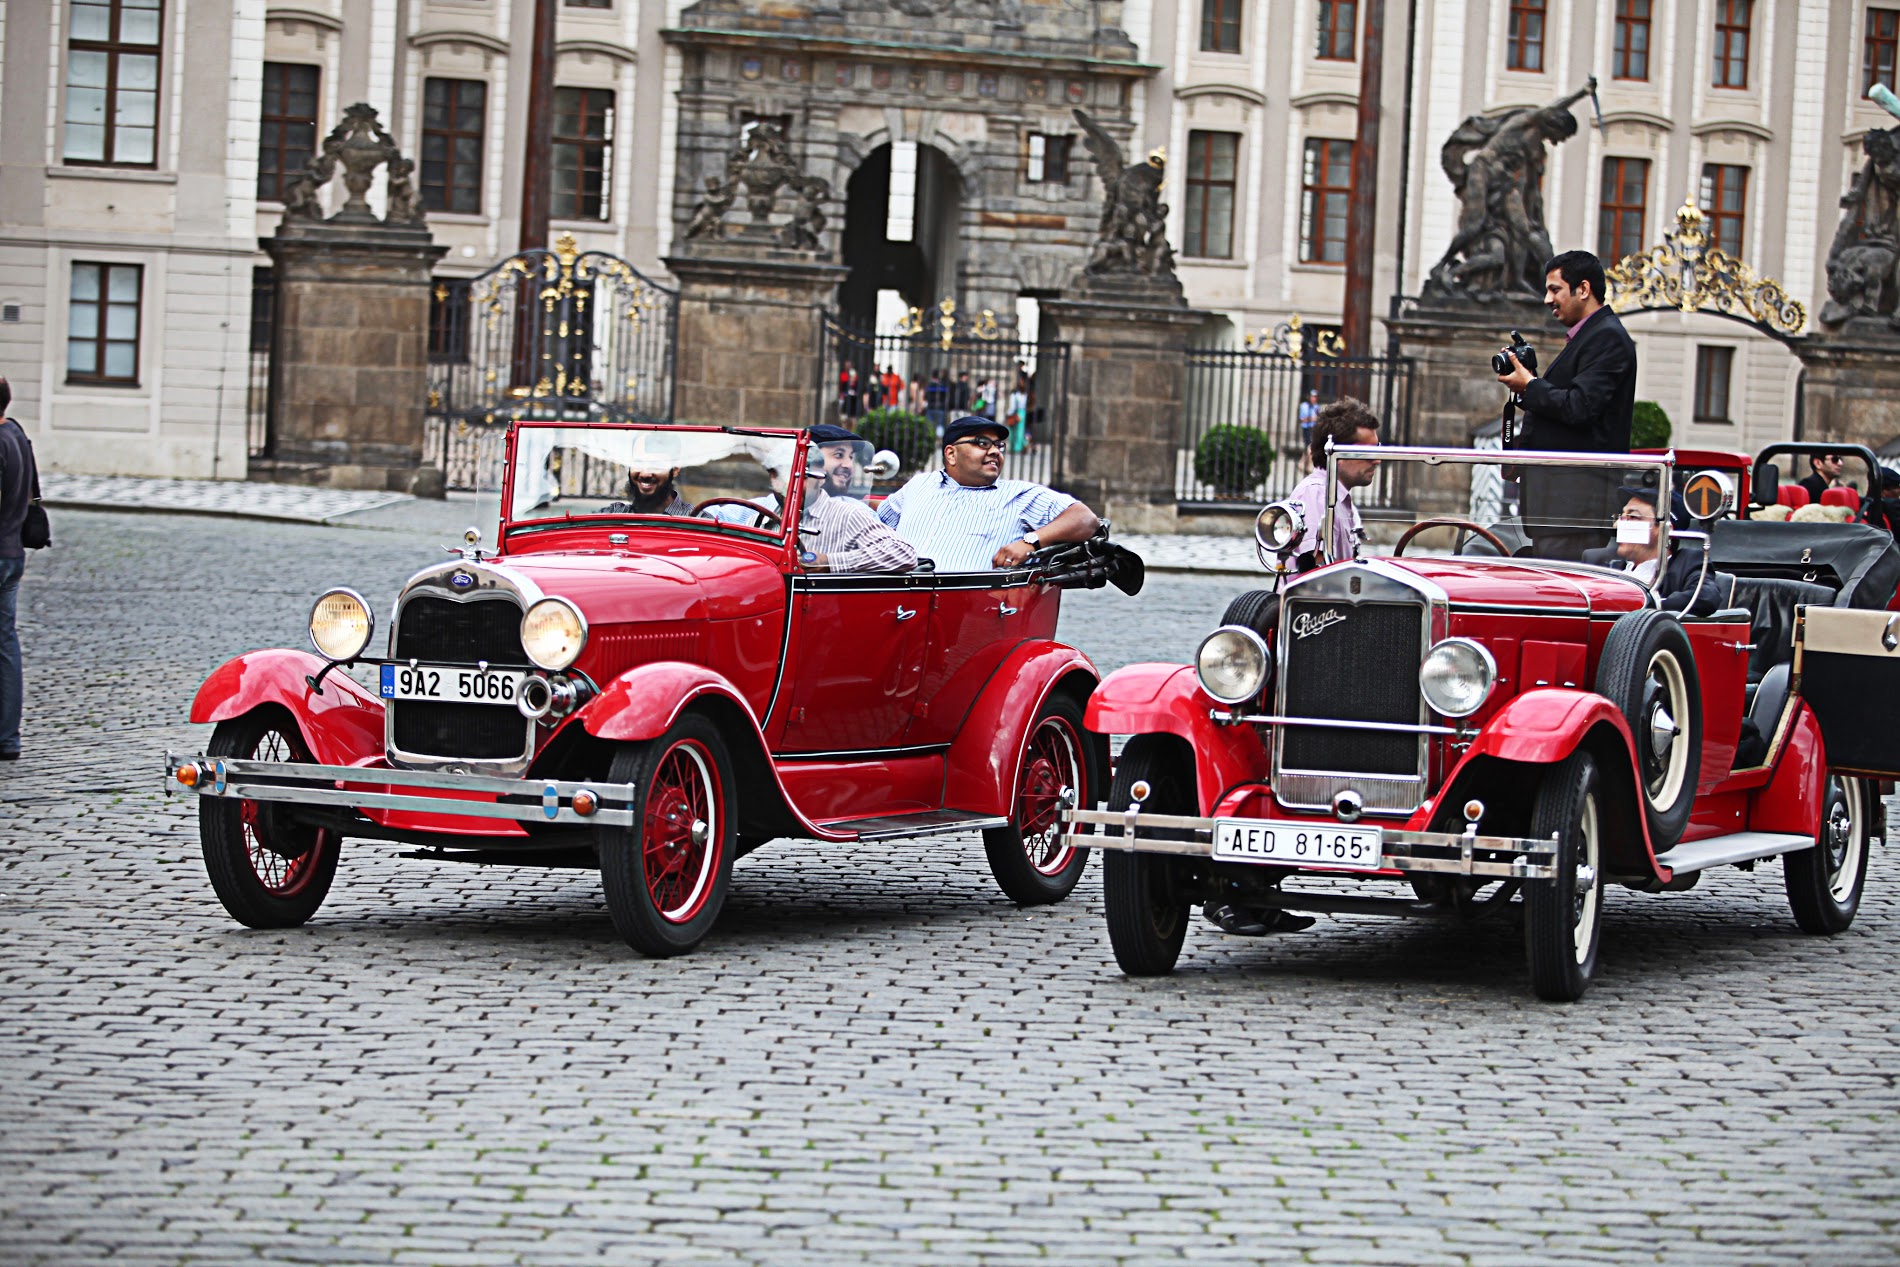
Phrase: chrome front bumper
(1412,852)
(355,788)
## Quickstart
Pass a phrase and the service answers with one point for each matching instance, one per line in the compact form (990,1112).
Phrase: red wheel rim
(1051,762)
(277,875)
(682,834)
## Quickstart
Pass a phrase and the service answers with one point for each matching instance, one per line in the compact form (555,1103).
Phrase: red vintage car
(1503,733)
(649,675)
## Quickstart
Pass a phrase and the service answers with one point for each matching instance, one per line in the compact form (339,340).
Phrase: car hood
(682,583)
(1519,583)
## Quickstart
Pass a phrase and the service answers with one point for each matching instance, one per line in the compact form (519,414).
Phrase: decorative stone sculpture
(359,145)
(1133,237)
(1861,272)
(807,226)
(1496,166)
(760,164)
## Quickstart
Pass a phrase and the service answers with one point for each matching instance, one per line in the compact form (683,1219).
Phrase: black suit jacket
(1677,583)
(1586,398)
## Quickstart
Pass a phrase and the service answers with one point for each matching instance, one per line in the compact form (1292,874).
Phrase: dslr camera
(1526,356)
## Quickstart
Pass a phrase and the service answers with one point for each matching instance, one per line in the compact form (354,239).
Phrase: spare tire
(1648,672)
(1258,610)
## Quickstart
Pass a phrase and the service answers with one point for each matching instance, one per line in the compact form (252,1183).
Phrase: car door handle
(904,613)
(1006,610)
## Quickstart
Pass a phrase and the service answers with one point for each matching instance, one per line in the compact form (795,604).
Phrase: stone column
(1851,390)
(1127,392)
(751,327)
(350,355)
(1454,392)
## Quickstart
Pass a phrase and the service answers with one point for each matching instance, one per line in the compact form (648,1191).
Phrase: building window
(1220,26)
(1725,204)
(1325,195)
(1629,58)
(453,114)
(1212,158)
(288,135)
(1625,192)
(583,153)
(112,82)
(1732,18)
(1712,368)
(1883,43)
(1524,36)
(1338,30)
(1048,159)
(102,324)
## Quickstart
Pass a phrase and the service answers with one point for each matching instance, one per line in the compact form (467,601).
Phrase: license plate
(1299,844)
(452,684)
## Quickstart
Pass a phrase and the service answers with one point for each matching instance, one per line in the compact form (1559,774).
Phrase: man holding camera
(1584,403)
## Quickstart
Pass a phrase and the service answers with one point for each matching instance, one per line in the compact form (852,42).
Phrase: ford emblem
(461,580)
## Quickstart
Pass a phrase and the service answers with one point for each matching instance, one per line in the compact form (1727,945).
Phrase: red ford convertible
(652,675)
(1500,719)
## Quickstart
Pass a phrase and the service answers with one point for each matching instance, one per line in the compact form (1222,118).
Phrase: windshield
(1601,509)
(661,471)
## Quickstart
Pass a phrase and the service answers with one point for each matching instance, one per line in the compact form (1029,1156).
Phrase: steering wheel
(1405,538)
(763,512)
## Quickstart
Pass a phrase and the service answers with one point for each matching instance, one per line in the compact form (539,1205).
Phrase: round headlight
(1232,664)
(553,633)
(1279,527)
(340,625)
(1457,677)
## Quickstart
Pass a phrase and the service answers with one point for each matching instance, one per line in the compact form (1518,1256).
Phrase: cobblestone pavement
(875,1057)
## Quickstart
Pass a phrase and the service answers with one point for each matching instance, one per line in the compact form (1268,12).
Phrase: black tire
(1147,915)
(1032,863)
(268,872)
(1258,610)
(665,877)
(1563,917)
(1824,882)
(1648,672)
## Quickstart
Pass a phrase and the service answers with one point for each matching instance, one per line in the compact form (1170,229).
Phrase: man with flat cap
(967,518)
(839,533)
(1678,581)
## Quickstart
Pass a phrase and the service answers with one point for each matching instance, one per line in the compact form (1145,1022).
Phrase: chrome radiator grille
(1350,662)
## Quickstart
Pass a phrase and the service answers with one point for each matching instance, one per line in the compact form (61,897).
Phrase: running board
(1741,846)
(936,822)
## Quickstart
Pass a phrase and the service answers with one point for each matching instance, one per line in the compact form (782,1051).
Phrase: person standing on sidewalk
(18,478)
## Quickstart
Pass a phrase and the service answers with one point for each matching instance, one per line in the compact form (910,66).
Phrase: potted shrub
(1234,459)
(910,436)
(1649,426)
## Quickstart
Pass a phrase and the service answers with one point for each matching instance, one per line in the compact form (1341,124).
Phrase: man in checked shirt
(839,533)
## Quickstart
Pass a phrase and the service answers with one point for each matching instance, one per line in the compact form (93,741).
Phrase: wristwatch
(1034,539)
(809,556)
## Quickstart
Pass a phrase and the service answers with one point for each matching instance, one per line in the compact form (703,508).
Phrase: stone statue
(359,145)
(1133,235)
(1861,273)
(709,215)
(1496,166)
(807,226)
(764,168)
(760,164)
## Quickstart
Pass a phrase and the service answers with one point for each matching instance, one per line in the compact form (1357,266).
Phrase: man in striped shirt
(967,518)
(839,533)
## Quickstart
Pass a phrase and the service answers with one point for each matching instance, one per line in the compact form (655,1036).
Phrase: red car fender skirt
(988,750)
(343,726)
(1145,699)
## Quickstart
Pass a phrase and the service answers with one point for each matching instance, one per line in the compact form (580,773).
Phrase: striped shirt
(962,526)
(851,538)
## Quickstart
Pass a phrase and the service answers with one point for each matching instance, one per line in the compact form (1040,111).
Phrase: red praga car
(1500,733)
(655,694)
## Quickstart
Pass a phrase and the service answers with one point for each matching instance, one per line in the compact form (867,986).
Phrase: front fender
(988,750)
(1167,699)
(343,726)
(643,702)
(1545,726)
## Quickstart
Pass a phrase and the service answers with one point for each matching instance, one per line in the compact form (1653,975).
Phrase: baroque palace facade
(148,143)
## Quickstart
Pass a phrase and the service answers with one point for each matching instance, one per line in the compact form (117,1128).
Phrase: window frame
(1713,187)
(284,175)
(1870,41)
(450,135)
(1313,196)
(1726,26)
(1518,43)
(114,48)
(99,338)
(1057,149)
(1200,182)
(1620,207)
(1328,30)
(1218,26)
(583,145)
(1707,356)
(1622,45)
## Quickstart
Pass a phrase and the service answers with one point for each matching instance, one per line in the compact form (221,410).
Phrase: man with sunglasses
(968,518)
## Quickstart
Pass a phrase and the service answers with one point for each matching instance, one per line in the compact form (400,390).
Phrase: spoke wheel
(1824,883)
(665,878)
(1032,862)
(1564,916)
(268,871)
(1147,913)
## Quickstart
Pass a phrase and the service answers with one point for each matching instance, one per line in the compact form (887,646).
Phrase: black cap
(971,425)
(1889,478)
(830,433)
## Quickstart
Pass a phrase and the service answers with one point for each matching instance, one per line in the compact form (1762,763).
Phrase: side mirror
(884,464)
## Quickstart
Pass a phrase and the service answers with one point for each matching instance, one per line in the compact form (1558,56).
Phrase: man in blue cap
(967,518)
(838,532)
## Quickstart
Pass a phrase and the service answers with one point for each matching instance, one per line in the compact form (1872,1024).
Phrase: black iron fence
(899,390)
(1247,415)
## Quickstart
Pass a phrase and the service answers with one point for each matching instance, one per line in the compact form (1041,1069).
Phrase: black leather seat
(1770,602)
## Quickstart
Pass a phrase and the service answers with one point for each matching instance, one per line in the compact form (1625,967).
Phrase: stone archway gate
(546,334)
